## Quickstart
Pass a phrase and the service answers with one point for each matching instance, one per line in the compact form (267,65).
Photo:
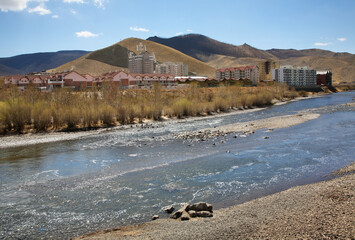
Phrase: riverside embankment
(63,189)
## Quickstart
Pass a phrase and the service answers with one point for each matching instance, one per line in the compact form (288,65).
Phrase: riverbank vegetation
(67,110)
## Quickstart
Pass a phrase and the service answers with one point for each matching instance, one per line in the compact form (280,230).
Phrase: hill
(115,57)
(202,47)
(85,65)
(5,70)
(222,55)
(37,62)
(168,54)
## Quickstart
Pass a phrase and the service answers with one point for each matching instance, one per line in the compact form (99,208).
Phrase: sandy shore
(324,210)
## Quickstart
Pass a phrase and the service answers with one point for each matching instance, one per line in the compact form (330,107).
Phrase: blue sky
(29,26)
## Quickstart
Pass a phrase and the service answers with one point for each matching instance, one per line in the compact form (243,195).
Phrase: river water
(107,179)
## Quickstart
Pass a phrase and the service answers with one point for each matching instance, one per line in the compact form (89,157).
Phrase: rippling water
(67,188)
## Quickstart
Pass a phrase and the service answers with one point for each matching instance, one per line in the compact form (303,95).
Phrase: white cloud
(86,34)
(137,29)
(73,11)
(179,33)
(13,5)
(322,44)
(40,9)
(16,5)
(343,39)
(189,30)
(99,3)
(55,16)
(73,1)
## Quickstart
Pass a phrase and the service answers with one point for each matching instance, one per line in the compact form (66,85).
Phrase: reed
(65,109)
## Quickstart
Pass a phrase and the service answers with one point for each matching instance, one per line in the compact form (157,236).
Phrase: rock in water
(155,217)
(169,209)
(201,206)
(204,214)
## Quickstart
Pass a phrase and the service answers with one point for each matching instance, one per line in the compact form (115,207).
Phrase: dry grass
(68,110)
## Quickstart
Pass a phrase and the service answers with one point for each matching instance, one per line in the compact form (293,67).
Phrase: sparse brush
(41,116)
(107,114)
(121,115)
(303,93)
(71,117)
(19,113)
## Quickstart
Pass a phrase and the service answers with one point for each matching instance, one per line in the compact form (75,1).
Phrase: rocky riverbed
(246,128)
(324,210)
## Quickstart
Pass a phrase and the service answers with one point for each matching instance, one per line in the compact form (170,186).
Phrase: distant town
(145,71)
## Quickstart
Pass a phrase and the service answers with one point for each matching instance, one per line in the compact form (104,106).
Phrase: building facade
(245,72)
(265,69)
(177,69)
(324,78)
(297,77)
(141,63)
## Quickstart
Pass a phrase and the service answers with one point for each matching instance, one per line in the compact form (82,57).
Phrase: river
(124,176)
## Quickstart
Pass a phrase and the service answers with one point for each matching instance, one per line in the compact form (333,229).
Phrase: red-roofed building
(237,73)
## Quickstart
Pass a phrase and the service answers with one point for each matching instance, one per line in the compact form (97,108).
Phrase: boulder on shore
(204,214)
(187,211)
(155,217)
(201,206)
(169,209)
(176,214)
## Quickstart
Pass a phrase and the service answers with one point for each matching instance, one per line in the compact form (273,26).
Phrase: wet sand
(324,210)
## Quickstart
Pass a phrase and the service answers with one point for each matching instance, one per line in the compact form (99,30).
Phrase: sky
(29,26)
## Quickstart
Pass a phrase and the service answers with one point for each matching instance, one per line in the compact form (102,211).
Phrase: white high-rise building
(298,77)
(141,63)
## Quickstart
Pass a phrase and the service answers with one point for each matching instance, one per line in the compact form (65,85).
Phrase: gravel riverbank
(324,210)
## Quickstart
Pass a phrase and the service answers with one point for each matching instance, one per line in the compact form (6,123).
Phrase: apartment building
(324,78)
(265,69)
(297,77)
(177,69)
(237,73)
(141,63)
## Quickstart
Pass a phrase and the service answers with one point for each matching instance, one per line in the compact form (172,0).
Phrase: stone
(155,217)
(169,209)
(266,137)
(185,207)
(192,213)
(204,214)
(176,214)
(201,206)
(185,216)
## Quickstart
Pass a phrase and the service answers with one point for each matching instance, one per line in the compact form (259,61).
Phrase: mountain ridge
(104,58)
(36,62)
(223,55)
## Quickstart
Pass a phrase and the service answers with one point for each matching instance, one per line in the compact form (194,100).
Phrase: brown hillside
(202,47)
(167,54)
(343,68)
(97,62)
(83,65)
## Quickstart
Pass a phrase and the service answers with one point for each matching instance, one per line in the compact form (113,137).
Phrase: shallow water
(67,188)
